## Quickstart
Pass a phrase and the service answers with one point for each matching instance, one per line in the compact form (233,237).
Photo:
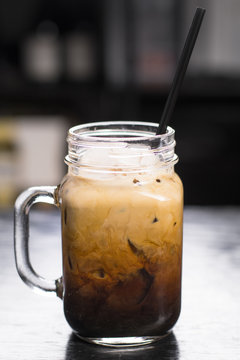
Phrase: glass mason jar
(121,212)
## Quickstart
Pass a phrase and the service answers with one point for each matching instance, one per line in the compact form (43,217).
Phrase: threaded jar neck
(120,146)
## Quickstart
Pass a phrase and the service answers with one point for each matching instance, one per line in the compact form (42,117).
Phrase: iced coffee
(122,246)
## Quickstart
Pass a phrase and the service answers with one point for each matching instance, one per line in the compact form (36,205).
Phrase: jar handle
(23,204)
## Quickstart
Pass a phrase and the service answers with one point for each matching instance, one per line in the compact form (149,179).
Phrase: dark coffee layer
(140,305)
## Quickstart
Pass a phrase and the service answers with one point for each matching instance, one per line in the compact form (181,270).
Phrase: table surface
(33,326)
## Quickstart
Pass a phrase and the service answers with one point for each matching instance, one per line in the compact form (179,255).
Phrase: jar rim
(84,132)
(113,138)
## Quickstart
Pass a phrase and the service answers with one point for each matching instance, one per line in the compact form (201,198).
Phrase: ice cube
(119,156)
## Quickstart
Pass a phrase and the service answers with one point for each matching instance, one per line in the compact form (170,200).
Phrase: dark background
(130,50)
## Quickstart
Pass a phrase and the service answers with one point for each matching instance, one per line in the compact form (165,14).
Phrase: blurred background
(66,62)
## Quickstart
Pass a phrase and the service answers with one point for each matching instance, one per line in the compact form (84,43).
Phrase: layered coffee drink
(121,210)
(122,244)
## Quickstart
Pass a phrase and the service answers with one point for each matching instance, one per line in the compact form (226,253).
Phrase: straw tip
(202,10)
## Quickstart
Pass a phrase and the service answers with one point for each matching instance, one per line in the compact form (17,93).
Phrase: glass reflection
(167,348)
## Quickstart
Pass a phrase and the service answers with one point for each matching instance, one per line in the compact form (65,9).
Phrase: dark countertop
(33,326)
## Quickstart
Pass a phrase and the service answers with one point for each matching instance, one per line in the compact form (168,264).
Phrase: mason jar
(121,208)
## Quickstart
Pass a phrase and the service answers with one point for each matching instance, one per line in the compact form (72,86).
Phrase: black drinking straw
(181,69)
